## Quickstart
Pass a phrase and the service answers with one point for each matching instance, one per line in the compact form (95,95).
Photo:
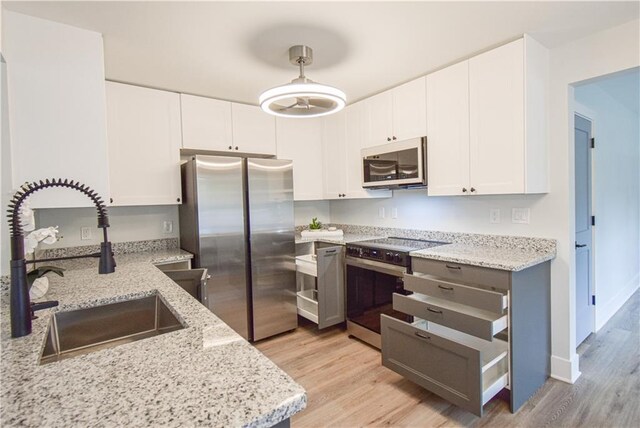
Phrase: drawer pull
(434,311)
(422,336)
(442,287)
(453,267)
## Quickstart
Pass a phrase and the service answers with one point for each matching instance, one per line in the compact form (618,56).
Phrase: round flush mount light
(302,97)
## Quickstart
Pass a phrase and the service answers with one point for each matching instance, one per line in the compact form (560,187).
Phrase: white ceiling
(235,50)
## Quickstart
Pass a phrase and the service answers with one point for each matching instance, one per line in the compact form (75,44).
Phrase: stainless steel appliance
(397,165)
(375,270)
(237,220)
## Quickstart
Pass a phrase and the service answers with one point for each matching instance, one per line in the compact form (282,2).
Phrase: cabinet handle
(434,311)
(230,147)
(236,147)
(111,200)
(472,189)
(388,139)
(178,200)
(421,335)
(442,287)
(464,190)
(394,138)
(453,267)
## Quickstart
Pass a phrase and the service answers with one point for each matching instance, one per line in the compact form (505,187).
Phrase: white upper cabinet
(254,131)
(486,123)
(448,130)
(56,108)
(496,120)
(144,145)
(409,110)
(206,123)
(397,114)
(334,153)
(300,140)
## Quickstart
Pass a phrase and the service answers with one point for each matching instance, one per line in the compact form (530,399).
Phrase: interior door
(584,303)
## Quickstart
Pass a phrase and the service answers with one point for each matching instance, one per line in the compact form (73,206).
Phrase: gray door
(584,307)
(221,225)
(272,242)
(330,263)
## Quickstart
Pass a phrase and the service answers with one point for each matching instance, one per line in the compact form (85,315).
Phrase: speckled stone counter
(491,257)
(202,375)
(345,239)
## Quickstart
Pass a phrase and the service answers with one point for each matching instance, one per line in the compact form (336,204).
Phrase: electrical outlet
(394,212)
(494,215)
(167,227)
(520,215)
(381,213)
(85,233)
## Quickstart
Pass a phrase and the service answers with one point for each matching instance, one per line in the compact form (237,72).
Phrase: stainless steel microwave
(398,165)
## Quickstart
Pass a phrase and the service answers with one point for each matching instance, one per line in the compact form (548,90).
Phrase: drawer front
(487,300)
(449,369)
(499,279)
(472,321)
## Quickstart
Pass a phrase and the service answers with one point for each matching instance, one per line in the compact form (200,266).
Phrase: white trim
(609,309)
(565,370)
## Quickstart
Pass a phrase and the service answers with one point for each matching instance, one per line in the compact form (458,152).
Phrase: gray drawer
(464,318)
(461,369)
(477,297)
(457,272)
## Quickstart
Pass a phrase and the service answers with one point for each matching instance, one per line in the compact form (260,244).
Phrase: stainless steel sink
(83,331)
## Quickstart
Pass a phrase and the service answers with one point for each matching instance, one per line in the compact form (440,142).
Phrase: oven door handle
(389,269)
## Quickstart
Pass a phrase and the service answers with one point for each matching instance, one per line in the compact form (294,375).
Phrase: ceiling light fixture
(302,97)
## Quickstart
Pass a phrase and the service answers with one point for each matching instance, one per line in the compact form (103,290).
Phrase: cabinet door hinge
(593,220)
(593,143)
(593,299)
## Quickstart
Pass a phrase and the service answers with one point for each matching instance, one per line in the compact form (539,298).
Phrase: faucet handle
(42,305)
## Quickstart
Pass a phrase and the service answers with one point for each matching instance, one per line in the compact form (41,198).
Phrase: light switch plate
(167,227)
(381,213)
(494,215)
(394,212)
(85,233)
(520,215)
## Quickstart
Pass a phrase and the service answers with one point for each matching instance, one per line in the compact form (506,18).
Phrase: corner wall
(552,214)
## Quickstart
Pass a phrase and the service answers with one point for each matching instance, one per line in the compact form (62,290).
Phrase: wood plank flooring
(348,387)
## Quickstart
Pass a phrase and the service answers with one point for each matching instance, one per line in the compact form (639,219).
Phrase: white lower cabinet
(320,286)
(475,331)
(144,135)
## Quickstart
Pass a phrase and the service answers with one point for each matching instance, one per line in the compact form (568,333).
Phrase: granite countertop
(343,240)
(202,375)
(511,259)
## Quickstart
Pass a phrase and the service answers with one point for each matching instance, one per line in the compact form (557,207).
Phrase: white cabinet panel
(448,130)
(144,145)
(334,152)
(496,119)
(206,123)
(254,131)
(377,126)
(301,141)
(56,107)
(409,110)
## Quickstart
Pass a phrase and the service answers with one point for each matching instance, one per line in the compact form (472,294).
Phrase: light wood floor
(347,386)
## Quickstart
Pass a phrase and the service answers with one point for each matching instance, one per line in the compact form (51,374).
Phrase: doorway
(585,316)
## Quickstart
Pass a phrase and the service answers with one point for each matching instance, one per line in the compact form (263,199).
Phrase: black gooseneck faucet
(21,307)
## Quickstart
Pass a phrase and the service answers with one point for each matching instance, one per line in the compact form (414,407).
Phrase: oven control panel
(381,255)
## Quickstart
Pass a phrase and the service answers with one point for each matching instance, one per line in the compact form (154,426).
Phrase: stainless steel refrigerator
(237,220)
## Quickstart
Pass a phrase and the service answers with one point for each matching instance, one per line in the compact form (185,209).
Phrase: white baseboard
(605,310)
(565,370)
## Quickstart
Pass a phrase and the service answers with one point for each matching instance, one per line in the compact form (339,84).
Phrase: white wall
(552,215)
(306,210)
(616,188)
(127,224)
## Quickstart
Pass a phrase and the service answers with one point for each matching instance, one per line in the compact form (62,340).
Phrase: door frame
(588,114)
